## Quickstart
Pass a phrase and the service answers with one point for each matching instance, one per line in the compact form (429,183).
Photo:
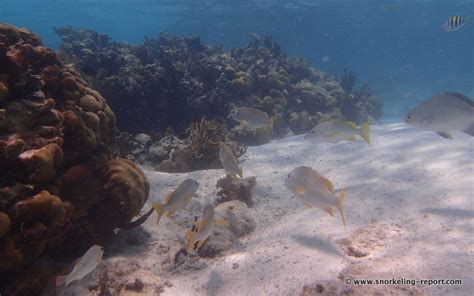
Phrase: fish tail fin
(60,285)
(159,208)
(191,240)
(365,131)
(340,206)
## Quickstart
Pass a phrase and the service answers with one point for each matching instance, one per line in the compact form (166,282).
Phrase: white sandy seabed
(409,212)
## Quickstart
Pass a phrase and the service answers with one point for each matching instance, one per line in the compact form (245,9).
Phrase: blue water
(398,47)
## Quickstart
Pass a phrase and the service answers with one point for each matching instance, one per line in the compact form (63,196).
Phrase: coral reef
(60,181)
(230,188)
(238,223)
(174,82)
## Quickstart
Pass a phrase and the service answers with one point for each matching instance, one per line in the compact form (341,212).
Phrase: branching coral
(359,105)
(347,80)
(204,137)
(201,149)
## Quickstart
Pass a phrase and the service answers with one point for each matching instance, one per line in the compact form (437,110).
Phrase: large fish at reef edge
(444,113)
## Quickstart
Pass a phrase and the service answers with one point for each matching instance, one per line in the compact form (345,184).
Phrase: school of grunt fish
(443,113)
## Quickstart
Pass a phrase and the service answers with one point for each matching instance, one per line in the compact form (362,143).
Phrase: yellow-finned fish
(336,130)
(82,267)
(177,199)
(229,162)
(315,190)
(455,22)
(203,229)
(253,118)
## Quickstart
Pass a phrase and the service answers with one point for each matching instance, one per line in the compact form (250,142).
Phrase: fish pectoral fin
(445,135)
(329,184)
(353,139)
(191,240)
(300,189)
(189,197)
(170,214)
(169,197)
(330,211)
(351,124)
(200,243)
(244,124)
(222,222)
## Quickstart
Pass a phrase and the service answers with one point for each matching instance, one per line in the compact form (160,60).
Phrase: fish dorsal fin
(300,189)
(351,124)
(329,184)
(461,97)
(189,197)
(169,197)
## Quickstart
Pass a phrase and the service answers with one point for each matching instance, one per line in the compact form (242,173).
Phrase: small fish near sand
(177,199)
(202,229)
(335,130)
(253,118)
(82,267)
(443,114)
(314,190)
(455,22)
(229,161)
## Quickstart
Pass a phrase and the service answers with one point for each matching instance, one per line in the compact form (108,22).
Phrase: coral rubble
(230,188)
(59,182)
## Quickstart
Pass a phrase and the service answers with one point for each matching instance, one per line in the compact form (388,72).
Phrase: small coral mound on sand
(371,239)
(59,180)
(238,222)
(230,188)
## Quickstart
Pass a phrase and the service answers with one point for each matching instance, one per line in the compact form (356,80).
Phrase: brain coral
(59,181)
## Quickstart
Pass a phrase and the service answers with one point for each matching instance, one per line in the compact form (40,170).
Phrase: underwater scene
(236,147)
